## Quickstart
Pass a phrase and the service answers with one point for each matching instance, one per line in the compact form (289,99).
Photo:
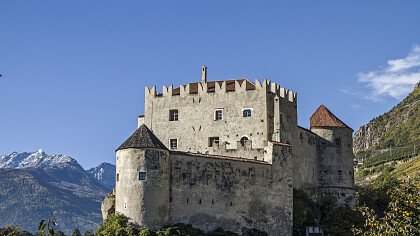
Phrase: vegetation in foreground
(119,225)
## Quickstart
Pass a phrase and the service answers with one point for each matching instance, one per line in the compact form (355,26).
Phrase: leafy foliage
(401,216)
(13,231)
(308,210)
(117,225)
(45,227)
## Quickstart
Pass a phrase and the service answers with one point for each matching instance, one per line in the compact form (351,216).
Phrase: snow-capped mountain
(105,173)
(37,159)
(34,184)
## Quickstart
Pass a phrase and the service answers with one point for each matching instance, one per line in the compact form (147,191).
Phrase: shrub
(116,225)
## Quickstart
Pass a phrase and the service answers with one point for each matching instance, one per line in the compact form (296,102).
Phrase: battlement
(222,87)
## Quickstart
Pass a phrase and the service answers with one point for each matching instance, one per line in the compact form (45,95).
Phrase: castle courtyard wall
(305,160)
(210,192)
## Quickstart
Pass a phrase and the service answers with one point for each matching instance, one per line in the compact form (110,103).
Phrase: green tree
(76,232)
(45,227)
(13,231)
(116,225)
(402,216)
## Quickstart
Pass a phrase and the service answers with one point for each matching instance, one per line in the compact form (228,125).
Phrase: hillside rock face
(105,173)
(398,127)
(33,185)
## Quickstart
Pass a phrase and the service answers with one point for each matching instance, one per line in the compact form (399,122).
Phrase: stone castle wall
(234,186)
(210,192)
(145,202)
(196,122)
(305,160)
(335,163)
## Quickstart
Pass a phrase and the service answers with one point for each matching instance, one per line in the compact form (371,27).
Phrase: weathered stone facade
(228,154)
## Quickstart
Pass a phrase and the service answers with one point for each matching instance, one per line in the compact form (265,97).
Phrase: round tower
(335,156)
(142,181)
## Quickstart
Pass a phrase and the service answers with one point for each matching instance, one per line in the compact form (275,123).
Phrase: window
(337,141)
(247,112)
(243,141)
(218,114)
(281,118)
(118,177)
(214,141)
(142,175)
(340,172)
(173,115)
(173,144)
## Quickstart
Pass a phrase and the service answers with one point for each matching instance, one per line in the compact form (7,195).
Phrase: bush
(116,225)
(13,231)
(179,230)
(401,216)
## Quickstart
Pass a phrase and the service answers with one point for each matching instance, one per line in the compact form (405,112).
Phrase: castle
(228,154)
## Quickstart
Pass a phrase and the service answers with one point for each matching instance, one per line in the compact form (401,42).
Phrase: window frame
(215,116)
(212,140)
(142,173)
(174,115)
(170,143)
(337,142)
(250,112)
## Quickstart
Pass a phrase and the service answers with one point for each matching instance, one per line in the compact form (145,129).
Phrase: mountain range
(35,184)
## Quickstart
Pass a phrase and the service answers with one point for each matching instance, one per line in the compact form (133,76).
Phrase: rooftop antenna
(204,74)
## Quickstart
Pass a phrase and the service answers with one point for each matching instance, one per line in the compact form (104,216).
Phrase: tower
(142,181)
(334,156)
(204,74)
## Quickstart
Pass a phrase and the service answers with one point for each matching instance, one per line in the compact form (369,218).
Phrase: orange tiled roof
(325,118)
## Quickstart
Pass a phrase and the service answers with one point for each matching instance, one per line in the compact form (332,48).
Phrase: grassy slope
(397,128)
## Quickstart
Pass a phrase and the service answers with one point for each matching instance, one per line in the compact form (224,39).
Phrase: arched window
(243,140)
(247,112)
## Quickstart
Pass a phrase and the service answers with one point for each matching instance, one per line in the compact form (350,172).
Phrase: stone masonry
(228,154)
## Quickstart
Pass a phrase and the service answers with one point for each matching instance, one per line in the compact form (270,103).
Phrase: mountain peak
(36,159)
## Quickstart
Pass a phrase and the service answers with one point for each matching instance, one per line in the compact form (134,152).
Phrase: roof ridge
(323,117)
(143,137)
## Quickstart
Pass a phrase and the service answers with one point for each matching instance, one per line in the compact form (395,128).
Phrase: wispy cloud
(356,107)
(395,80)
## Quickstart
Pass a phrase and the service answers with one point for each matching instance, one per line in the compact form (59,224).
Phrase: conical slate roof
(143,137)
(325,118)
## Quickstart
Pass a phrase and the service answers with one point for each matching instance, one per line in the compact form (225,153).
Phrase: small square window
(173,144)
(218,114)
(340,172)
(142,175)
(247,112)
(337,141)
(214,141)
(173,115)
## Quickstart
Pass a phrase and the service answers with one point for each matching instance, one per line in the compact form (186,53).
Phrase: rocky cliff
(398,127)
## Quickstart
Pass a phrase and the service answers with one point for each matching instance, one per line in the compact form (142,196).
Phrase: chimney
(204,74)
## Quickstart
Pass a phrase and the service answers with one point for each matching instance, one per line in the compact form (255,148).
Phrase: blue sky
(74,71)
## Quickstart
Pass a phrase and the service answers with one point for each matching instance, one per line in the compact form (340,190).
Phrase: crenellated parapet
(223,87)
